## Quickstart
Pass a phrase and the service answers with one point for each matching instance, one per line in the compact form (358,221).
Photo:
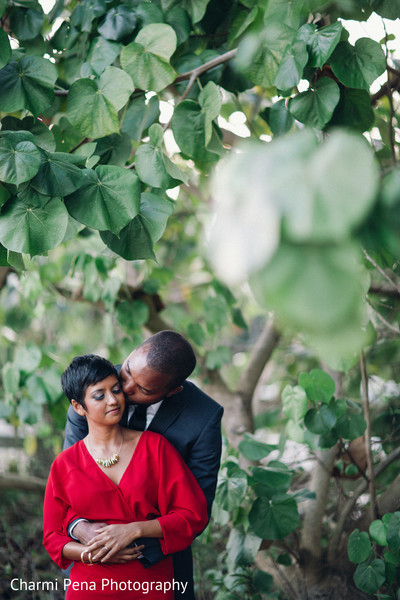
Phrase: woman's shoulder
(68,458)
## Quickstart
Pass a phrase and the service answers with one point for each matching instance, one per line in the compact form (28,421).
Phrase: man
(159,398)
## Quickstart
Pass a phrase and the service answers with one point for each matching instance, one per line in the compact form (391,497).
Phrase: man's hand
(85,531)
(126,554)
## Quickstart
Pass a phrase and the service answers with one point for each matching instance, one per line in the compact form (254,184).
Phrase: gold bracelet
(82,553)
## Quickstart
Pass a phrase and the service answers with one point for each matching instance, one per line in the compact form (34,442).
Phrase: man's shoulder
(194,396)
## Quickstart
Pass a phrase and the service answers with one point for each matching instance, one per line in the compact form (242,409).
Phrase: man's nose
(128,387)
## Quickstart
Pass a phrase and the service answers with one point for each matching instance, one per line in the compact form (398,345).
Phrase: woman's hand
(111,539)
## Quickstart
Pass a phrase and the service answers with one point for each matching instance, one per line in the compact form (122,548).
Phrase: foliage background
(130,204)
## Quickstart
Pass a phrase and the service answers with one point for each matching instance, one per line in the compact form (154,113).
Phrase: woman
(135,482)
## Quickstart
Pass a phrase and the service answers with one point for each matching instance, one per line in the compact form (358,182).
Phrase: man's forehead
(136,359)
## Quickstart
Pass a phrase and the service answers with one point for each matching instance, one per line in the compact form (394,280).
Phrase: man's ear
(175,391)
(78,408)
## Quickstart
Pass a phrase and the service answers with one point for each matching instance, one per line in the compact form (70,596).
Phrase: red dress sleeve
(182,504)
(55,517)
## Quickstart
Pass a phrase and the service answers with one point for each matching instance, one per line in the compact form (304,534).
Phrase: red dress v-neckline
(101,470)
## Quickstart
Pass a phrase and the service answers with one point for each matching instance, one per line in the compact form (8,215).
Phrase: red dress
(156,484)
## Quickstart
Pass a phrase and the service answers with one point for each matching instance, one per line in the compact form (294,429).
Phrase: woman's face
(105,401)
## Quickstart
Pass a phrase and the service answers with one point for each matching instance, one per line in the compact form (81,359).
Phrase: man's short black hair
(169,352)
(84,371)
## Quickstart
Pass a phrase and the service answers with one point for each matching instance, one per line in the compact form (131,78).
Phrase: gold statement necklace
(109,462)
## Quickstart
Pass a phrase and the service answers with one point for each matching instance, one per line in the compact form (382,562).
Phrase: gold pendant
(108,462)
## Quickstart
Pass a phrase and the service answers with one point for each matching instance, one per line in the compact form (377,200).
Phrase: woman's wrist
(136,530)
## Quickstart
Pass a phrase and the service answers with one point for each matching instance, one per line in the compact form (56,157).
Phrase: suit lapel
(169,410)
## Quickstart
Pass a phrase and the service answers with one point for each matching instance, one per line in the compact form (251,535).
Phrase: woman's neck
(104,437)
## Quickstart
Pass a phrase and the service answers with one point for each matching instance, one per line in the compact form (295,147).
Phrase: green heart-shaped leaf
(351,426)
(195,8)
(232,485)
(369,577)
(18,162)
(119,22)
(147,58)
(274,519)
(27,84)
(320,420)
(102,54)
(318,385)
(137,239)
(58,175)
(260,55)
(189,129)
(92,106)
(359,546)
(31,229)
(358,66)
(354,110)
(294,402)
(315,107)
(26,24)
(140,115)
(320,42)
(292,65)
(107,200)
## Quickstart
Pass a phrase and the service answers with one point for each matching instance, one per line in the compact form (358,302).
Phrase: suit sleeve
(55,513)
(76,428)
(205,456)
(181,502)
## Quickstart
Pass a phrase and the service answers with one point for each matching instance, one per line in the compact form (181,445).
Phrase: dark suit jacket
(191,421)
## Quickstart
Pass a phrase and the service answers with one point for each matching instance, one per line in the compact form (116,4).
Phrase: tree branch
(367,416)
(395,285)
(22,483)
(193,74)
(392,84)
(261,354)
(315,509)
(350,504)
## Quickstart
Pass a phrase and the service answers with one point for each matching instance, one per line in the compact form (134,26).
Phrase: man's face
(142,385)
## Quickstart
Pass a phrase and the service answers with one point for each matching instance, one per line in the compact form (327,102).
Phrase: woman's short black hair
(84,371)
